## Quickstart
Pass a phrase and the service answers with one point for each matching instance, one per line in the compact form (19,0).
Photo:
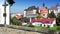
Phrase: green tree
(39,16)
(58,19)
(30,25)
(15,21)
(51,15)
(11,2)
(37,10)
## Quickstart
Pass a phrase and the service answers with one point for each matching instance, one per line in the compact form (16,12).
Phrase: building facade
(44,22)
(2,18)
(54,9)
(30,12)
(58,9)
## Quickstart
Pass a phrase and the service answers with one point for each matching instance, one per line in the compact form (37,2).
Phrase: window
(44,25)
(43,14)
(40,24)
(48,26)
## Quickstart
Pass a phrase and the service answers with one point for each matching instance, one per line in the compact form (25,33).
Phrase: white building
(54,9)
(58,9)
(29,12)
(2,19)
(44,22)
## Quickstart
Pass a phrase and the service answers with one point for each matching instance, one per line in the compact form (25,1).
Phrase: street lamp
(4,14)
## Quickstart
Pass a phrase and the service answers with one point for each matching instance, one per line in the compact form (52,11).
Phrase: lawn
(52,28)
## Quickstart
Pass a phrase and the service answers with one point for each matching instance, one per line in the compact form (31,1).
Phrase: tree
(58,19)
(30,25)
(39,16)
(37,10)
(15,21)
(51,15)
(11,2)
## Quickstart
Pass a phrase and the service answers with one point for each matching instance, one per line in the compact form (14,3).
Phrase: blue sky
(20,5)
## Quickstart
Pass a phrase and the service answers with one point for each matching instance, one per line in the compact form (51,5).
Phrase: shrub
(30,25)
(15,21)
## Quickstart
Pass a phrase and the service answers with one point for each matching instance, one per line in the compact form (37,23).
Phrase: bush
(15,21)
(58,19)
(58,28)
(30,25)
(39,16)
(51,15)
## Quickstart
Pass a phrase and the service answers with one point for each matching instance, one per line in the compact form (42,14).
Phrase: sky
(20,5)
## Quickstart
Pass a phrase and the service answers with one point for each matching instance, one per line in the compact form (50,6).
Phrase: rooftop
(43,20)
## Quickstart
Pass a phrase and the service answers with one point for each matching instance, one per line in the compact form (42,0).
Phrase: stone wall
(5,30)
(13,30)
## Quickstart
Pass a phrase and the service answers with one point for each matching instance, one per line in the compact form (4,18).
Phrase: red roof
(19,16)
(43,20)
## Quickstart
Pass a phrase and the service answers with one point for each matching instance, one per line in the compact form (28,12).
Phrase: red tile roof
(43,20)
(19,16)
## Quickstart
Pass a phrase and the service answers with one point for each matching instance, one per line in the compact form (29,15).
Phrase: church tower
(44,11)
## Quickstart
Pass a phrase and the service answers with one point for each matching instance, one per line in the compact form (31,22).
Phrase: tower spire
(43,4)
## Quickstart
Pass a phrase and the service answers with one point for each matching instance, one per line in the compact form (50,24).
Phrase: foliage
(58,27)
(52,15)
(30,25)
(11,2)
(37,10)
(15,21)
(39,16)
(38,27)
(51,28)
(58,19)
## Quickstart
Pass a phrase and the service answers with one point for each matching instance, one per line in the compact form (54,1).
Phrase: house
(44,11)
(55,9)
(58,8)
(44,22)
(19,15)
(25,20)
(30,12)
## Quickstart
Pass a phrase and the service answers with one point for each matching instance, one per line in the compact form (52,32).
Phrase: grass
(38,27)
(52,28)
